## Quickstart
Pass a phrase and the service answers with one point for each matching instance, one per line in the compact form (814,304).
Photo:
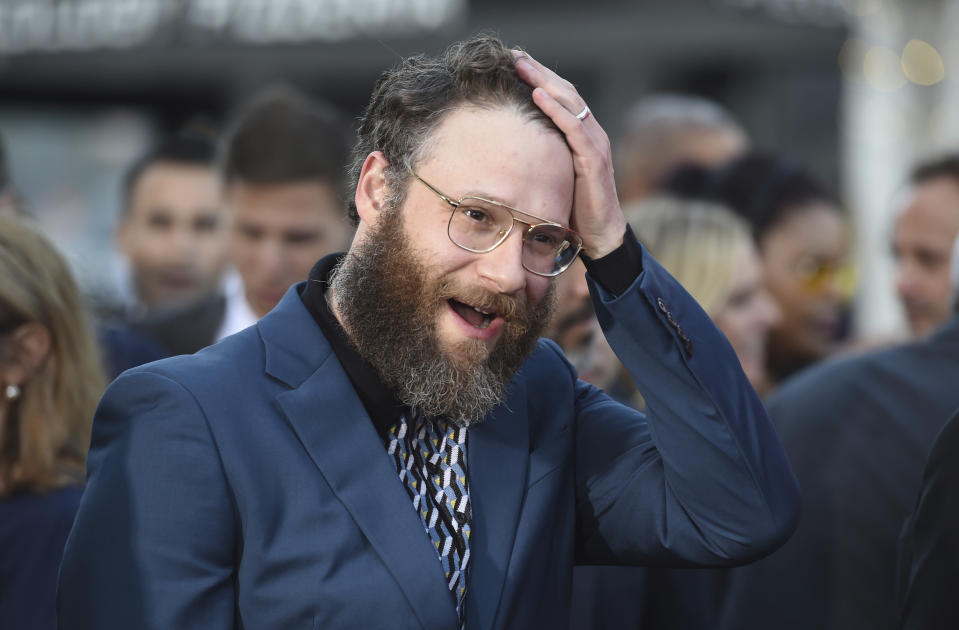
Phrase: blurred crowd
(216,227)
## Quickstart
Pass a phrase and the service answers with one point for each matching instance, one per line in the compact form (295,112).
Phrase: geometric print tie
(430,458)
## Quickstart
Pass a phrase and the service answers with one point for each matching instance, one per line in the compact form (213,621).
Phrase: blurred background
(856,89)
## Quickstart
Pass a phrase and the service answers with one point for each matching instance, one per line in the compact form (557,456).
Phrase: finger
(587,140)
(571,126)
(538,75)
(547,72)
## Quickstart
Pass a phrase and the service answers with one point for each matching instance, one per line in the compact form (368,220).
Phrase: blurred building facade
(86,84)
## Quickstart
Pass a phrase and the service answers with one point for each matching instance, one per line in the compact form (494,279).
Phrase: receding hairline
(478,105)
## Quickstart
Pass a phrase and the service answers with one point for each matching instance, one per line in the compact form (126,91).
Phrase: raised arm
(703,479)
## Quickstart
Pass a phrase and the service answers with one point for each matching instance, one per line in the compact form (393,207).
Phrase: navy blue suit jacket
(245,486)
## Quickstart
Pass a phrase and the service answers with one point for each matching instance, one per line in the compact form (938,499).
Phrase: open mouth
(476,317)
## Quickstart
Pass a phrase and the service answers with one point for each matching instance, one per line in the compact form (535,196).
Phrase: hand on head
(596,212)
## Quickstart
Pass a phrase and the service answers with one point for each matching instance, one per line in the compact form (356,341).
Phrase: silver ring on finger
(583,114)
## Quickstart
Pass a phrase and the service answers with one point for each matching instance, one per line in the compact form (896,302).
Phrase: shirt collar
(378,400)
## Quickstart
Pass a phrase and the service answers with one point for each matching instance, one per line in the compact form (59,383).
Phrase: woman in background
(710,251)
(800,232)
(50,381)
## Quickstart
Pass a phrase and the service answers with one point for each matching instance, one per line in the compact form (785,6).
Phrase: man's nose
(179,246)
(502,269)
(906,279)
(269,258)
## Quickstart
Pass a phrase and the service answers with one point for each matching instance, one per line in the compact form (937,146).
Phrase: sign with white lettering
(72,25)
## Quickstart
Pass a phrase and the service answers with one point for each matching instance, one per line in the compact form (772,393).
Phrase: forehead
(932,212)
(501,154)
(816,228)
(175,186)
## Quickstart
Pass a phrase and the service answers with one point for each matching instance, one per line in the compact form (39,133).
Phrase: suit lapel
(335,430)
(498,459)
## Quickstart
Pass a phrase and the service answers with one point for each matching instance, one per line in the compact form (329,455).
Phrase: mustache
(506,306)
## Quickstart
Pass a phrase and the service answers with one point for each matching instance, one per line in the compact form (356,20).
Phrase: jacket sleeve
(153,542)
(701,479)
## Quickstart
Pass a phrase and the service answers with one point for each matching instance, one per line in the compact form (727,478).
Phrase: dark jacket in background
(857,432)
(929,568)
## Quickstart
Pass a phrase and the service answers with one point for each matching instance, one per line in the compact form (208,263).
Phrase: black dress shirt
(929,561)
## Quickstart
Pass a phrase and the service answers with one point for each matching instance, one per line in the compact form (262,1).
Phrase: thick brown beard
(389,305)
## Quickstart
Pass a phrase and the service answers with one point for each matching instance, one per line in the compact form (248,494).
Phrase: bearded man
(391,447)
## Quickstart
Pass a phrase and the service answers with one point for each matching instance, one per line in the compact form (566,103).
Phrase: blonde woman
(712,254)
(50,381)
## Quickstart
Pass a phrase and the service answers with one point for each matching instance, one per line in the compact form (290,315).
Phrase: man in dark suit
(173,233)
(857,432)
(929,564)
(283,173)
(391,447)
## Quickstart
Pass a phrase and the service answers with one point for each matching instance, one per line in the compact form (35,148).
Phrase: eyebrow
(493,198)
(486,197)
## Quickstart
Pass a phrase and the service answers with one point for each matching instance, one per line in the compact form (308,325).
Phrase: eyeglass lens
(480,226)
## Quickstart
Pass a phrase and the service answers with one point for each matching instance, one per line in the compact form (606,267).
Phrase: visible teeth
(479,311)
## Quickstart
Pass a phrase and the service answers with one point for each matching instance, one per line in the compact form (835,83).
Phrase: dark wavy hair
(192,147)
(942,166)
(763,188)
(410,100)
(283,136)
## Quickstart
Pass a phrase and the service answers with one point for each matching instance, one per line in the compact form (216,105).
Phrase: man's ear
(26,350)
(371,188)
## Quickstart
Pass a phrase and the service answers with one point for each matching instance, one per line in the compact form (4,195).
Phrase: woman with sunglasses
(800,231)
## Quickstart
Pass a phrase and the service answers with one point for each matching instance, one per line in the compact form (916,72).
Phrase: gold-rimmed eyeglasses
(480,225)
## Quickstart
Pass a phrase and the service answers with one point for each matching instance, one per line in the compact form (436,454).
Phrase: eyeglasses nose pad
(502,232)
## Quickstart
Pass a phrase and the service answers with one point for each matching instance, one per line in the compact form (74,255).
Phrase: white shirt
(238,314)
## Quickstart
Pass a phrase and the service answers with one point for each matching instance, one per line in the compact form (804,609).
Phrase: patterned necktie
(430,457)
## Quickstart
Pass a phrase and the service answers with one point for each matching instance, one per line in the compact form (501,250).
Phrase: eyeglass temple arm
(455,204)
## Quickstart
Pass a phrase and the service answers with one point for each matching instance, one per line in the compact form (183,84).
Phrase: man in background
(174,233)
(662,131)
(282,169)
(922,242)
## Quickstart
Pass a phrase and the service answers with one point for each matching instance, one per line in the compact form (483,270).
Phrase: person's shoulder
(836,375)
(946,446)
(548,362)
(229,355)
(546,371)
(217,376)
